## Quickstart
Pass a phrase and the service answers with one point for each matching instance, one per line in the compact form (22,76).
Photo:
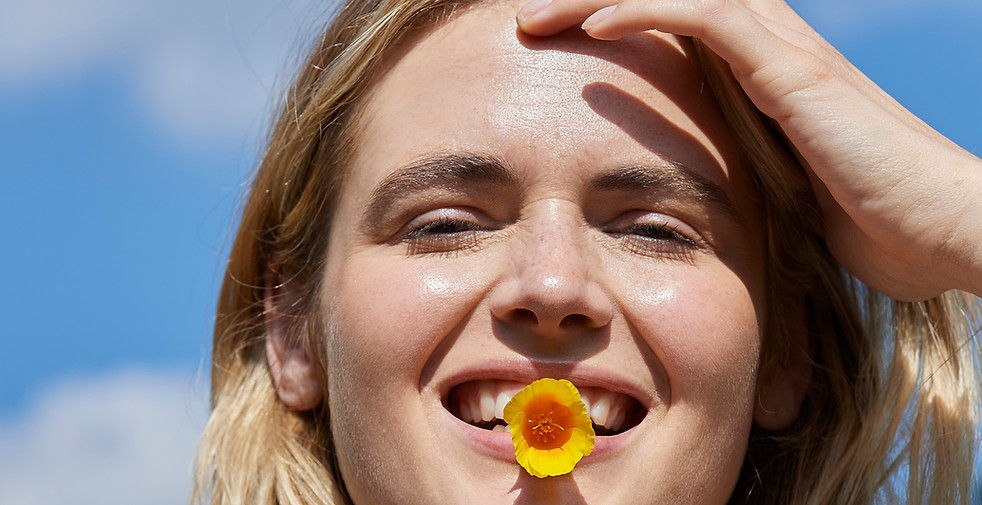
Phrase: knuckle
(804,68)
(814,70)
(712,9)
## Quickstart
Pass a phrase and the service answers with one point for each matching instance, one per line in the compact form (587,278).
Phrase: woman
(450,208)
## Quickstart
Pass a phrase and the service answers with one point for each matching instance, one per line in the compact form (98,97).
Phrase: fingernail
(531,8)
(597,17)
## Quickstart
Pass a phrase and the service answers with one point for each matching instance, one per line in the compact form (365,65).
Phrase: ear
(782,388)
(297,381)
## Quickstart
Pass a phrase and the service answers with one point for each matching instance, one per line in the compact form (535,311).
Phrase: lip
(499,444)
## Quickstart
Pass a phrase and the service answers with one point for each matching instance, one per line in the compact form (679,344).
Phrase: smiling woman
(452,207)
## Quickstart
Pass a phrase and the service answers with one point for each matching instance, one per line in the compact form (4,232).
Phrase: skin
(653,290)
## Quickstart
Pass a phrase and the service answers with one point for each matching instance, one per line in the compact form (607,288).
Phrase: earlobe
(781,391)
(297,380)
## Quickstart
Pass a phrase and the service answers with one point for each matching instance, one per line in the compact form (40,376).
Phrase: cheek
(716,332)
(703,326)
(390,313)
(386,319)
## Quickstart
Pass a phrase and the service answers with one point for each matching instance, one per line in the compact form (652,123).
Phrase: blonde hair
(894,385)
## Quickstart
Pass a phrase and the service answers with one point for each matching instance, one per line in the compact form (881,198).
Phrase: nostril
(525,316)
(574,320)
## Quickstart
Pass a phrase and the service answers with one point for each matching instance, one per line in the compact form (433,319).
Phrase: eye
(654,234)
(442,226)
(660,232)
(444,230)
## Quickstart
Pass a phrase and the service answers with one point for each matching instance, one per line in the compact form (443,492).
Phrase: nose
(553,287)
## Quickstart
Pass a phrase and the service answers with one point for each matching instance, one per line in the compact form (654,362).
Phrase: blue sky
(127,131)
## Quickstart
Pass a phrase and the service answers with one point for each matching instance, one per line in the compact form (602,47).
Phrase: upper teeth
(600,411)
(488,406)
(486,400)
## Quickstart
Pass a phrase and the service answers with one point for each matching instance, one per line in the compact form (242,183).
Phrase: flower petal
(550,428)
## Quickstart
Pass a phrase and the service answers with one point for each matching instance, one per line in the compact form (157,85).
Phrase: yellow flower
(550,427)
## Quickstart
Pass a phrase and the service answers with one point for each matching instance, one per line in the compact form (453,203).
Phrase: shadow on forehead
(646,55)
(665,66)
(651,129)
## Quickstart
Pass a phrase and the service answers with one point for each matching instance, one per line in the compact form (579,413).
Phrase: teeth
(499,404)
(600,410)
(606,409)
(615,418)
(470,411)
(484,402)
(487,405)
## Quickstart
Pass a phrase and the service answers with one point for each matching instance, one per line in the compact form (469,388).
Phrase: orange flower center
(547,424)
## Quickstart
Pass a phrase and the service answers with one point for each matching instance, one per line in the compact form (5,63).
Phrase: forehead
(476,84)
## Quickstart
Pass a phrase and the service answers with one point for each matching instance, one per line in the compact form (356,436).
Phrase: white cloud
(206,69)
(119,439)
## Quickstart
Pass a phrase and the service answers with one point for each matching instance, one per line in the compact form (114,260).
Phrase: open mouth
(482,403)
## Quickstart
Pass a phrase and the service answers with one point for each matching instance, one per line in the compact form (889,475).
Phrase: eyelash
(660,232)
(443,234)
(658,239)
(446,233)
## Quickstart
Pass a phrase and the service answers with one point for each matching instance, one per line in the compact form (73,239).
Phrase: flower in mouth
(550,427)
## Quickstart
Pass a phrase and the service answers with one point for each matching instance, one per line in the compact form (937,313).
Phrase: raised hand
(902,204)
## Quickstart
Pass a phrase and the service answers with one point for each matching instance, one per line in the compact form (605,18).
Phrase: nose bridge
(555,263)
(552,285)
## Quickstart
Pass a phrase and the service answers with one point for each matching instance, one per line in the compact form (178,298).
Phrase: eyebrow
(671,175)
(450,170)
(446,170)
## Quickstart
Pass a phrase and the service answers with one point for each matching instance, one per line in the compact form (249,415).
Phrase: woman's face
(521,208)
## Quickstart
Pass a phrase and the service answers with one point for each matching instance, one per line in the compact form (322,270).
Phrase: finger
(568,13)
(768,65)
(728,27)
(780,12)
(549,17)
